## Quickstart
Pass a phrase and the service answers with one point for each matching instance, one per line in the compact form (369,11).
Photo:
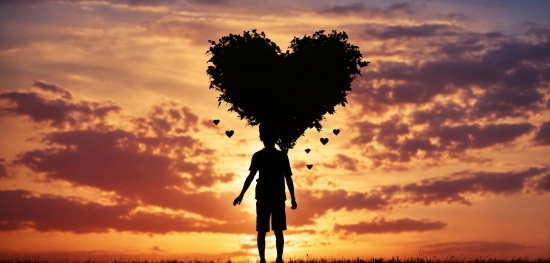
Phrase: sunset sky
(108,150)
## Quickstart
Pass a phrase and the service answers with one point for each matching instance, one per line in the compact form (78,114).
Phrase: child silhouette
(274,168)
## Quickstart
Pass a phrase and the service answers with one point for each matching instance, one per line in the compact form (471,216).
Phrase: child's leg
(261,245)
(280,244)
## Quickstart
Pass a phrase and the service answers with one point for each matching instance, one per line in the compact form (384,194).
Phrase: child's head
(268,134)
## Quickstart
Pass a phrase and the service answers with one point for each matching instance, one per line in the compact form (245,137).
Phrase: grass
(307,260)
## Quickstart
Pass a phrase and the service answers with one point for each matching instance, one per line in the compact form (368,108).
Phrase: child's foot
(279,260)
(262,261)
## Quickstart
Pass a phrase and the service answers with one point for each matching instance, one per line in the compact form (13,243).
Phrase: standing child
(274,168)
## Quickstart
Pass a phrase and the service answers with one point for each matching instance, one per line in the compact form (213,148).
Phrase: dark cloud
(380,225)
(504,76)
(404,6)
(454,188)
(59,110)
(211,2)
(146,162)
(3,170)
(146,2)
(133,166)
(21,209)
(156,161)
(124,2)
(106,160)
(394,8)
(366,132)
(343,9)
(544,183)
(345,162)
(402,144)
(450,189)
(313,204)
(390,130)
(23,2)
(543,134)
(462,137)
(440,114)
(167,119)
(394,32)
(54,89)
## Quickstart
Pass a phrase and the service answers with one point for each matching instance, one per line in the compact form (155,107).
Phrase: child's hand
(294,204)
(238,200)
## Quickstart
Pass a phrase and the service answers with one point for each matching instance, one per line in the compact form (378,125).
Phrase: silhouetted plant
(293,90)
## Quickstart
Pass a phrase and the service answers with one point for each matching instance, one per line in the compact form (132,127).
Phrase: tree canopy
(292,90)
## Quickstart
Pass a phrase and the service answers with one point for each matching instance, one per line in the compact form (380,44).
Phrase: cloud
(462,137)
(499,75)
(53,105)
(133,166)
(403,7)
(544,183)
(345,162)
(343,9)
(126,2)
(366,132)
(401,143)
(313,203)
(440,114)
(50,213)
(144,162)
(380,225)
(167,119)
(54,89)
(211,2)
(543,134)
(393,32)
(453,188)
(53,213)
(3,170)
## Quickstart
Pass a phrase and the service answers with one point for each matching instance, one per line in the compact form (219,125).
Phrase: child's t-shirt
(273,166)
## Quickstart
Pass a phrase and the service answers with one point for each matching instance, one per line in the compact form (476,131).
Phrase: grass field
(308,260)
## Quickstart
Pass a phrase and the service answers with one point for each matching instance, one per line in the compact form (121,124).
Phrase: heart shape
(336,131)
(307,150)
(229,133)
(324,141)
(309,166)
(216,121)
(292,90)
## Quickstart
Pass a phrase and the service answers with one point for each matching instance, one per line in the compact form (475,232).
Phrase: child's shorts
(273,209)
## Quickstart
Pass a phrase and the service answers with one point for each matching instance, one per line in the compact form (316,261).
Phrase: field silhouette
(450,259)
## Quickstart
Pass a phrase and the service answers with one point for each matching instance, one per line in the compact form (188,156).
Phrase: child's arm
(247,183)
(290,185)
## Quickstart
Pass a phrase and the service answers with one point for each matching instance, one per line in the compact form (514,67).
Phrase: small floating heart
(309,166)
(324,141)
(216,121)
(308,150)
(229,133)
(336,131)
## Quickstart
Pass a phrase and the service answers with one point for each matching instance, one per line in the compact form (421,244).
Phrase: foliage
(293,90)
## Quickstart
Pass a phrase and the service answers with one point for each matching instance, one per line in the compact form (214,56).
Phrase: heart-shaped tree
(291,90)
